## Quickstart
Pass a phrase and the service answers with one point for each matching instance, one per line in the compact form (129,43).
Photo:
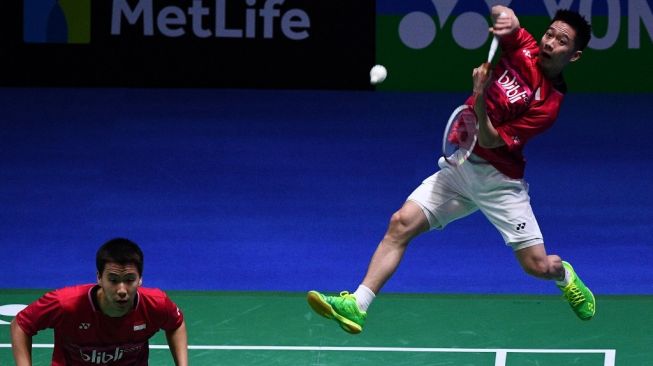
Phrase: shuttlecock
(378,73)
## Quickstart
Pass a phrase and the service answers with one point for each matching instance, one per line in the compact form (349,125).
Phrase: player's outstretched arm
(178,343)
(504,19)
(21,345)
(488,136)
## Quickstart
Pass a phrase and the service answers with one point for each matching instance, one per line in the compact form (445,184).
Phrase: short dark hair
(578,23)
(121,251)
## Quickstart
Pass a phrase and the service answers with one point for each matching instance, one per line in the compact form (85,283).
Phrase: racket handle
(493,48)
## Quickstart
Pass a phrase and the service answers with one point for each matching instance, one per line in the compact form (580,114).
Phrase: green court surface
(269,328)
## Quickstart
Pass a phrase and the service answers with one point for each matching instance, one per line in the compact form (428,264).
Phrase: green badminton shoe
(342,309)
(578,295)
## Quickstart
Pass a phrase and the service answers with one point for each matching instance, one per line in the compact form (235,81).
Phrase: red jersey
(520,102)
(83,335)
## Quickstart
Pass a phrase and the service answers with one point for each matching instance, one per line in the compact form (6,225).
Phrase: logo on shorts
(520,226)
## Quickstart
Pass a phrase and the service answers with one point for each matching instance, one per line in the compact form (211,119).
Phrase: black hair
(121,251)
(578,23)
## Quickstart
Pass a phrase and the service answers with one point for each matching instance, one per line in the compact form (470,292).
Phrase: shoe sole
(324,309)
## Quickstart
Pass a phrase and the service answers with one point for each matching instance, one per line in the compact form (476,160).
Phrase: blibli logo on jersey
(101,358)
(512,88)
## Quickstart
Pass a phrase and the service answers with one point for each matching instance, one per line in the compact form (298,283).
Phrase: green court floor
(268,328)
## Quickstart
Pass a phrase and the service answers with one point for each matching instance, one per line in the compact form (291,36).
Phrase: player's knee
(401,226)
(398,223)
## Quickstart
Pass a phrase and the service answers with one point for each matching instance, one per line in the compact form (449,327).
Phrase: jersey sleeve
(46,312)
(517,40)
(536,120)
(173,316)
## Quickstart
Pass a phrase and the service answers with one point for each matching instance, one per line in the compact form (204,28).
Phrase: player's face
(557,47)
(118,285)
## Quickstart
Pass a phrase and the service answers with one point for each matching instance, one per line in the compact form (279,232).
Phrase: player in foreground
(518,100)
(105,323)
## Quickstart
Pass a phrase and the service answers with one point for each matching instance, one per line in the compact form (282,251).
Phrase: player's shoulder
(153,300)
(524,34)
(72,297)
(151,294)
(72,292)
(518,39)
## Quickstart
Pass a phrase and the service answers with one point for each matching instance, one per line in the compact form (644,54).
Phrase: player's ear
(140,281)
(575,56)
(99,277)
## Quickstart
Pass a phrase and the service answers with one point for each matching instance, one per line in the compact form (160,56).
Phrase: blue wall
(286,190)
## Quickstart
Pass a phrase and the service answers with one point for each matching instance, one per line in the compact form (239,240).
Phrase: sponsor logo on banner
(204,19)
(57,21)
(69,21)
(441,38)
(193,43)
(418,29)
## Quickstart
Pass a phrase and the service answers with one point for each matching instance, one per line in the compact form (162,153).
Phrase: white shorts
(455,192)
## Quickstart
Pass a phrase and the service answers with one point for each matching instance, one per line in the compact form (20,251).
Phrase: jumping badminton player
(520,98)
(105,323)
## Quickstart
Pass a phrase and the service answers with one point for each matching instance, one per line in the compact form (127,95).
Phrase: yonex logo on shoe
(520,226)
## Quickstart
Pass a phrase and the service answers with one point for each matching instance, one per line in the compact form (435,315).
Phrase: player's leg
(507,206)
(350,310)
(432,205)
(405,224)
(536,262)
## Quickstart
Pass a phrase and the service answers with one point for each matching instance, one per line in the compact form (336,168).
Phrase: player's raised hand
(481,77)
(504,19)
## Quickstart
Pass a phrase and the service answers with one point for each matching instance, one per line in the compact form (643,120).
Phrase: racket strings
(463,130)
(460,135)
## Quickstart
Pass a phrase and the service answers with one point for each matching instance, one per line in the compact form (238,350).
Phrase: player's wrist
(478,94)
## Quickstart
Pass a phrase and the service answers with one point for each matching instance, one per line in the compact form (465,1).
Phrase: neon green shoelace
(574,296)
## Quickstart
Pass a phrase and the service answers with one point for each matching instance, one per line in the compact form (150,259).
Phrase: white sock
(364,297)
(565,281)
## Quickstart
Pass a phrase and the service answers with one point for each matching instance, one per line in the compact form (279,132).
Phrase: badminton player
(109,322)
(515,101)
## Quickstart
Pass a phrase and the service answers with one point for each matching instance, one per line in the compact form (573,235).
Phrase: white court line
(500,360)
